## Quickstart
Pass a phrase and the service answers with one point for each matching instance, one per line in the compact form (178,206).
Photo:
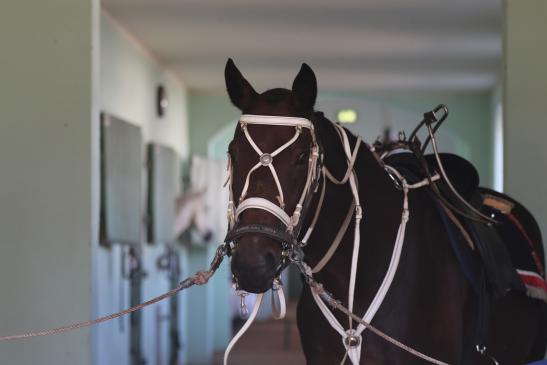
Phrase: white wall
(525,88)
(46,163)
(129,78)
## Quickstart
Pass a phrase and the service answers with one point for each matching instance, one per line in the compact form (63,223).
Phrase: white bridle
(266,159)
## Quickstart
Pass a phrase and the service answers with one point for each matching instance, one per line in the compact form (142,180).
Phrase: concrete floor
(270,342)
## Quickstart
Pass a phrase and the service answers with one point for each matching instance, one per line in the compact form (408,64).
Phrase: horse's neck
(426,254)
(381,204)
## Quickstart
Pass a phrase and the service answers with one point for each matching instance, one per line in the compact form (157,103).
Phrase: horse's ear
(240,91)
(304,87)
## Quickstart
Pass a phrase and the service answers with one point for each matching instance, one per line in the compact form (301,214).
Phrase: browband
(276,120)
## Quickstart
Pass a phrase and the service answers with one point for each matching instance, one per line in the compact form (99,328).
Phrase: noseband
(289,236)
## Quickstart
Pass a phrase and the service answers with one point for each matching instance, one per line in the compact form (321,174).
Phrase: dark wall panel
(121,181)
(163,189)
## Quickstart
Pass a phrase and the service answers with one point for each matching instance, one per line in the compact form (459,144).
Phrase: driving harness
(351,337)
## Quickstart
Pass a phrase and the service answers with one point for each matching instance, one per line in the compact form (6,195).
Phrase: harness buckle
(358,212)
(276,284)
(243,304)
(231,213)
(295,217)
(406,215)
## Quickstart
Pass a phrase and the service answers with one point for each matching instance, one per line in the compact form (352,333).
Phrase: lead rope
(327,298)
(199,278)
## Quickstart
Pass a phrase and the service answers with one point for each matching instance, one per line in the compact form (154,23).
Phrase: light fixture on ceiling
(347,115)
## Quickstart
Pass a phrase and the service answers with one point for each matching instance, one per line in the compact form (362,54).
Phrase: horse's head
(273,163)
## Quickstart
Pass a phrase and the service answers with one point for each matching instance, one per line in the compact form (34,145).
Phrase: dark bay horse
(430,305)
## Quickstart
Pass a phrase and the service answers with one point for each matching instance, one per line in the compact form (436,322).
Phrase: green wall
(48,140)
(207,115)
(469,124)
(525,87)
(129,76)
(468,129)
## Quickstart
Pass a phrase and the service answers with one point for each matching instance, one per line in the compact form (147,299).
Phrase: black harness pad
(462,173)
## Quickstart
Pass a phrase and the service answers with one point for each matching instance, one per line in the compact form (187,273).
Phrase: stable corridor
(269,342)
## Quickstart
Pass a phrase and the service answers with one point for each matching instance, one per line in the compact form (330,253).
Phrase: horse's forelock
(276,95)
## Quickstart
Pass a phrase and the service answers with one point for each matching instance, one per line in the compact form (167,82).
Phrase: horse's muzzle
(254,263)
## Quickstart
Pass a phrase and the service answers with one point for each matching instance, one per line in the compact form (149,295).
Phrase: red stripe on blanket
(532,244)
(533,279)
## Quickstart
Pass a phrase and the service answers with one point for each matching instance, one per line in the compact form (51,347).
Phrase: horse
(430,305)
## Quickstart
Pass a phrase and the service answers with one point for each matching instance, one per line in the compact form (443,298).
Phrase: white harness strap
(337,239)
(352,338)
(245,327)
(266,205)
(276,120)
(316,215)
(277,312)
(266,160)
(351,157)
(354,352)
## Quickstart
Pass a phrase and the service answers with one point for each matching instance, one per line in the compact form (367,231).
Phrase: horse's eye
(302,158)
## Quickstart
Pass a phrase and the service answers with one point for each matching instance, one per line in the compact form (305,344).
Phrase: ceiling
(353,45)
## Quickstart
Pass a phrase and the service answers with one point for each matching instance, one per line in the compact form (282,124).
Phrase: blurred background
(114,125)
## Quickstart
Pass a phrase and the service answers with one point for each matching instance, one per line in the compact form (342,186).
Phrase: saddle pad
(523,251)
(515,250)
(522,255)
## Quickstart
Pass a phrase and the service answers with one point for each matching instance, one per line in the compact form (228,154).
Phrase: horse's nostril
(269,257)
